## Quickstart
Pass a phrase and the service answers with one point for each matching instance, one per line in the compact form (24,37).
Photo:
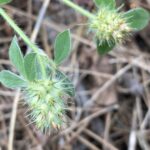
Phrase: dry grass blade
(13,120)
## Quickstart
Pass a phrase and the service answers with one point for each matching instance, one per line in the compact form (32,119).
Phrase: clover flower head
(46,101)
(110,26)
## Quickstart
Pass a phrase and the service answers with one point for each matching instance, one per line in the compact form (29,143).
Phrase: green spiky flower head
(46,101)
(110,26)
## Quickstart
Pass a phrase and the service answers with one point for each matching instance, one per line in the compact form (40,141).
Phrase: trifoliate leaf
(2,2)
(11,80)
(105,3)
(137,18)
(62,47)
(16,56)
(30,66)
(104,47)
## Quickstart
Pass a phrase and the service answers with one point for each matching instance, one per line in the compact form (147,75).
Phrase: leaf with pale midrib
(11,80)
(16,56)
(62,47)
(105,3)
(30,66)
(137,18)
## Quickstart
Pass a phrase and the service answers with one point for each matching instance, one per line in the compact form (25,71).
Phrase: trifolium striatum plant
(44,87)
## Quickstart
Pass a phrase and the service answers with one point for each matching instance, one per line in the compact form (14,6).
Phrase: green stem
(24,37)
(78,9)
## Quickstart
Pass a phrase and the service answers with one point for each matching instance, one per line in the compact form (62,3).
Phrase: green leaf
(62,47)
(16,56)
(137,18)
(2,2)
(30,66)
(45,61)
(67,84)
(104,47)
(11,80)
(105,3)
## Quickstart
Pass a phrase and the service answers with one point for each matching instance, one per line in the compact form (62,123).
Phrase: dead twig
(13,121)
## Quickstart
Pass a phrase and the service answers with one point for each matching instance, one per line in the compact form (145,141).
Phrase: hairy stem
(78,9)
(24,37)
